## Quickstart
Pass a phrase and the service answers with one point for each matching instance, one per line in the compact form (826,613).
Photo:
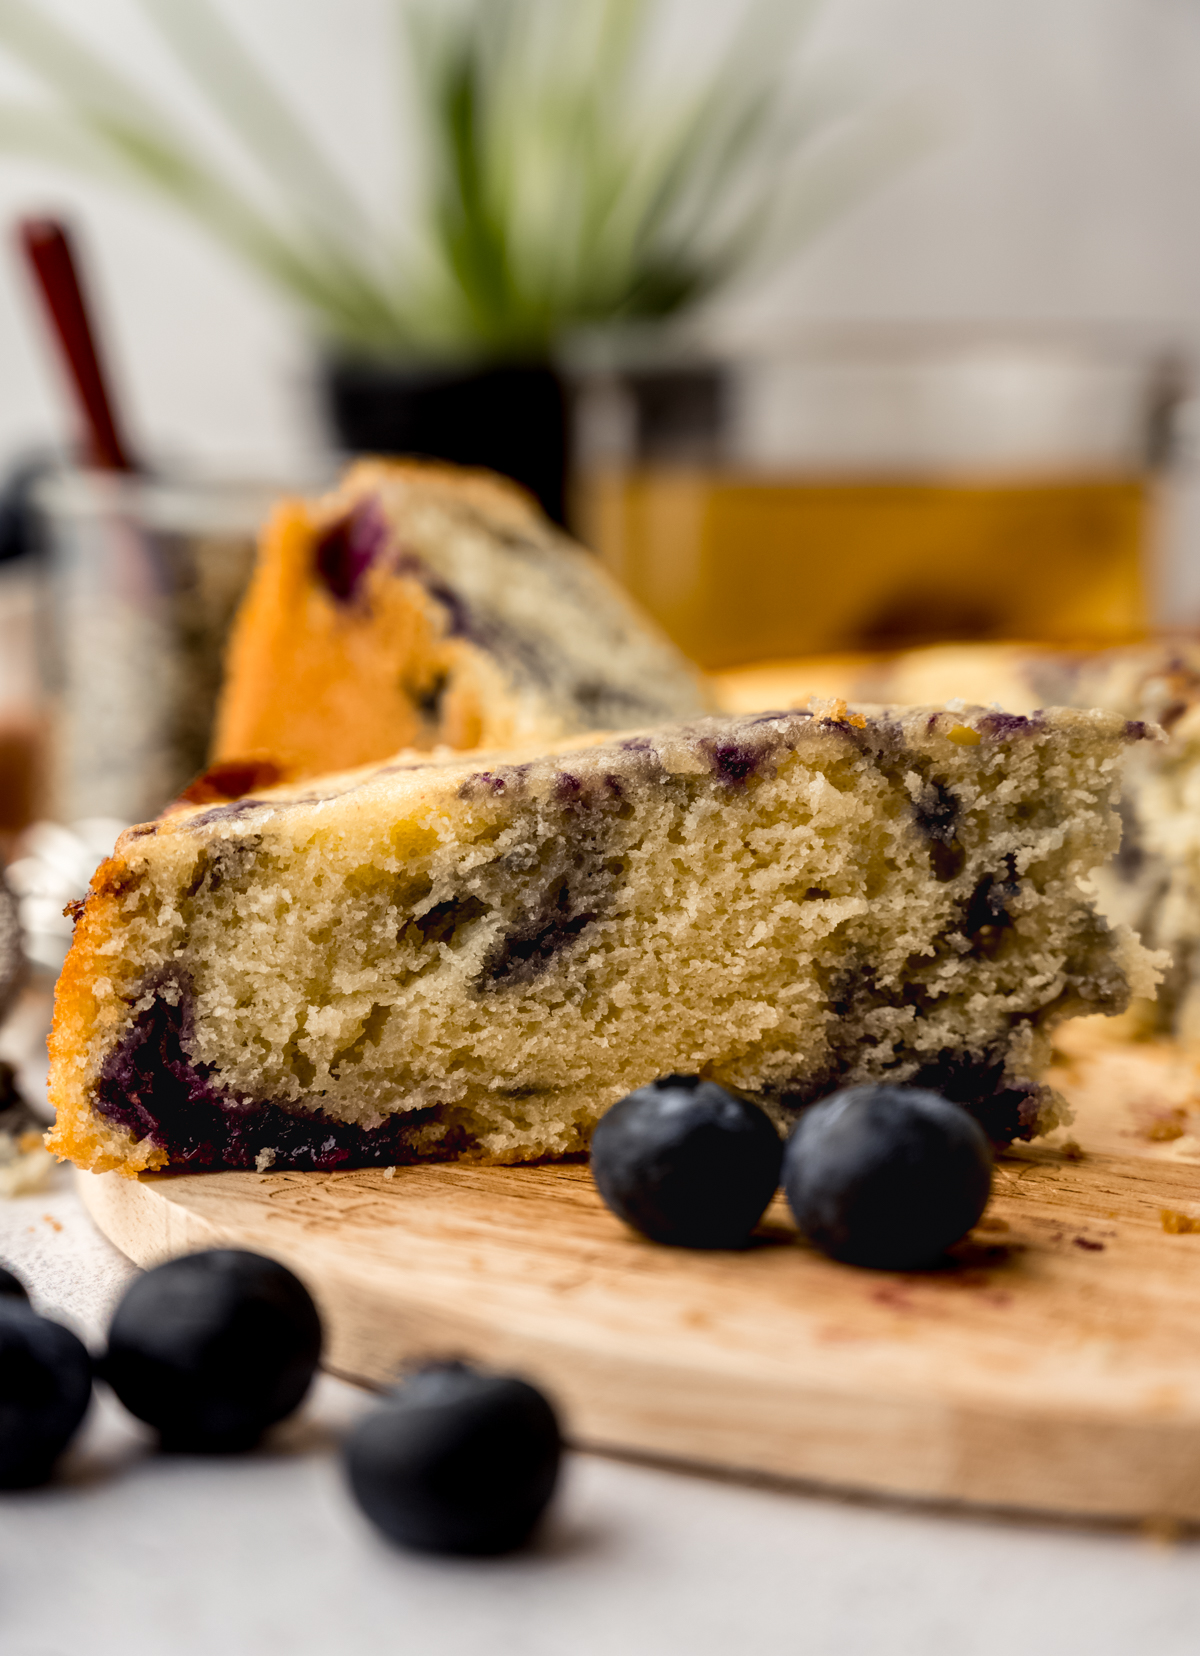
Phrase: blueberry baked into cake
(476,958)
(419,605)
(1153,884)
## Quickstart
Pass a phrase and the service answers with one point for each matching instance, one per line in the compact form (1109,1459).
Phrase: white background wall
(1067,189)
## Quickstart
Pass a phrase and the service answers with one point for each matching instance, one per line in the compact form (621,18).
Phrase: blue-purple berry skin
(687,1163)
(45,1388)
(213,1348)
(887,1177)
(346,550)
(456,1461)
(11,1286)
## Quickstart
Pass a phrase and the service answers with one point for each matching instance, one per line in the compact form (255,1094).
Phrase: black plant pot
(511,418)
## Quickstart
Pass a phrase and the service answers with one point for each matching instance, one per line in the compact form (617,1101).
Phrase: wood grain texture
(1054,1364)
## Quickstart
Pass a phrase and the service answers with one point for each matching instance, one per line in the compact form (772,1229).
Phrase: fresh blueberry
(11,1287)
(685,1162)
(213,1348)
(887,1176)
(456,1461)
(45,1386)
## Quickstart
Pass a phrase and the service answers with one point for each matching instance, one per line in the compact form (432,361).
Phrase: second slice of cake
(478,958)
(420,605)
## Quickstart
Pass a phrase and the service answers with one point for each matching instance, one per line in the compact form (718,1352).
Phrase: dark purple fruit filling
(529,946)
(149,1085)
(579,877)
(224,862)
(444,922)
(482,783)
(751,751)
(607,705)
(575,793)
(228,813)
(987,915)
(458,617)
(734,763)
(569,787)
(428,697)
(528,655)
(459,622)
(978,1080)
(1001,725)
(936,811)
(581,794)
(348,548)
(1006,1111)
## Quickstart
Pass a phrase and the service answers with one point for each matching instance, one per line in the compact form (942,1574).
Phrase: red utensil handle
(48,250)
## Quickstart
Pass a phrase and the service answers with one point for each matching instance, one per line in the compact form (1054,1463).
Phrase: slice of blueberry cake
(419,605)
(477,958)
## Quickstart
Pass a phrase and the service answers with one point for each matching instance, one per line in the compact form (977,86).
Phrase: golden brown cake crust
(81,1019)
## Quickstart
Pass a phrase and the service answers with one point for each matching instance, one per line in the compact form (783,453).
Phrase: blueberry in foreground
(11,1286)
(45,1387)
(213,1348)
(887,1176)
(685,1162)
(456,1461)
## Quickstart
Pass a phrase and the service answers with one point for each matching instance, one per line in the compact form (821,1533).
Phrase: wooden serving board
(1053,1365)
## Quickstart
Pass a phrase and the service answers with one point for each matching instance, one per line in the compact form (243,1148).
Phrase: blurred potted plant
(562,184)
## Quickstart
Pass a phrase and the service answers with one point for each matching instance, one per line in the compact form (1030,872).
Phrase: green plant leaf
(228,76)
(562,182)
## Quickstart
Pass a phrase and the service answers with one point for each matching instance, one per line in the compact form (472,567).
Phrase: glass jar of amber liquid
(873,493)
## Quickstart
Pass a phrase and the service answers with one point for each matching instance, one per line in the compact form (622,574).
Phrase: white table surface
(136,1554)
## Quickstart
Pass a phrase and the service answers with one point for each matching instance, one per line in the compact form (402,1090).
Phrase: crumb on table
(1176,1224)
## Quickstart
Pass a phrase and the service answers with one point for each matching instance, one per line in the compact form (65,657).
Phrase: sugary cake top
(734,750)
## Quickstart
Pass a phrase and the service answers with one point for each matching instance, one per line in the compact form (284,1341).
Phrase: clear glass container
(141,578)
(22,720)
(857,493)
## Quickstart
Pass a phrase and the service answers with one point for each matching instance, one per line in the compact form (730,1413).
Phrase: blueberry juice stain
(347,549)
